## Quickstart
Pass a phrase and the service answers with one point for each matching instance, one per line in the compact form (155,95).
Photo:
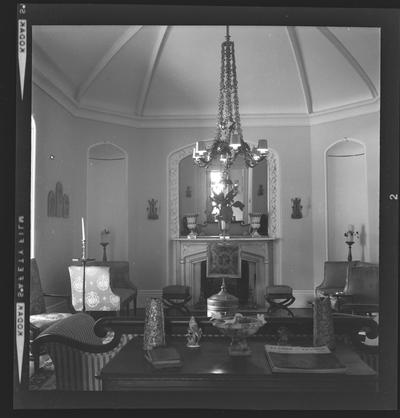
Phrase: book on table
(163,357)
(295,359)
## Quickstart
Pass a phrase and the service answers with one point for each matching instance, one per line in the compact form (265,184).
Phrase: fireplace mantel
(189,253)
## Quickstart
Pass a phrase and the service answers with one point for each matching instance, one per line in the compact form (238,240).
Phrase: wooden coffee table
(211,369)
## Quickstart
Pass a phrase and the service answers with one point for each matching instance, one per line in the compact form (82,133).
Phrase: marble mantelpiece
(189,253)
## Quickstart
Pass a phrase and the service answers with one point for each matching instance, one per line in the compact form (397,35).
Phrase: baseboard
(145,294)
(303,298)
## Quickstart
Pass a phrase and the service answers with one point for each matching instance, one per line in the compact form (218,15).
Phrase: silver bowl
(238,328)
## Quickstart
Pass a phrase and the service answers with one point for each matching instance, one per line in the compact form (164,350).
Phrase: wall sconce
(296,208)
(58,202)
(260,191)
(188,191)
(152,209)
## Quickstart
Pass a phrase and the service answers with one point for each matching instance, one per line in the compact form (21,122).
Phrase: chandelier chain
(236,95)
(229,142)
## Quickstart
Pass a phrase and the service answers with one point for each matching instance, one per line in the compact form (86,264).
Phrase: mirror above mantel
(179,190)
(198,184)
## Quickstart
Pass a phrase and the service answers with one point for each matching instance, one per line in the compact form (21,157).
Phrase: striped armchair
(78,353)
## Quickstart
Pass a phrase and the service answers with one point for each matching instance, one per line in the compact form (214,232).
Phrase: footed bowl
(238,328)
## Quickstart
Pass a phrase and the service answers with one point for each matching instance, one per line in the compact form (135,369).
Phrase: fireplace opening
(238,287)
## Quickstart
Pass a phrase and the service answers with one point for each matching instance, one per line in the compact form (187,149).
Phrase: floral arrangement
(225,202)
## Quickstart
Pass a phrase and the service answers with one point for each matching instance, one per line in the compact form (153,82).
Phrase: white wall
(347,200)
(301,160)
(107,207)
(55,237)
(366,130)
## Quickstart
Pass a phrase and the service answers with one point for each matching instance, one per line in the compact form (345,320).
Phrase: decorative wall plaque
(152,210)
(58,202)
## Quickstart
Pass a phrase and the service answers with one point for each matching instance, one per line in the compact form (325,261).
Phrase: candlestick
(83,230)
(349,256)
(83,260)
(104,245)
(83,249)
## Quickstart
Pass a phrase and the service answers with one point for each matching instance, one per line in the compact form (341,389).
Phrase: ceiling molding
(152,66)
(106,58)
(361,108)
(195,121)
(47,68)
(350,59)
(41,80)
(305,85)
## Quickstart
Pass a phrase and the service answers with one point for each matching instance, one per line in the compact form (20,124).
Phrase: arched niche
(107,200)
(173,192)
(346,199)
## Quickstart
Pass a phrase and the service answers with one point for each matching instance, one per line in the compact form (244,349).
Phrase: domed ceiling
(169,75)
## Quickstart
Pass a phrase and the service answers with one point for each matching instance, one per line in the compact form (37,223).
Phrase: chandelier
(228,142)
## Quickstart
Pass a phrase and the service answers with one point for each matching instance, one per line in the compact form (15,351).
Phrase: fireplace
(188,257)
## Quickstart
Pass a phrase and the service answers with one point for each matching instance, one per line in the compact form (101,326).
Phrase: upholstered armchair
(361,293)
(335,276)
(78,354)
(120,282)
(98,293)
(39,317)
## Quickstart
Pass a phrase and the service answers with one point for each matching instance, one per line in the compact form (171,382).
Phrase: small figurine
(261,318)
(194,334)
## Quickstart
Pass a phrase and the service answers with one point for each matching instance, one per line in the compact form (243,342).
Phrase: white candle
(83,230)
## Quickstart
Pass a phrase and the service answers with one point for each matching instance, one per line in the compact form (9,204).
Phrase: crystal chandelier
(228,142)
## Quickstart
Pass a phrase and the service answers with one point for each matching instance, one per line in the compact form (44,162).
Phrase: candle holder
(104,245)
(349,256)
(83,260)
(350,236)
